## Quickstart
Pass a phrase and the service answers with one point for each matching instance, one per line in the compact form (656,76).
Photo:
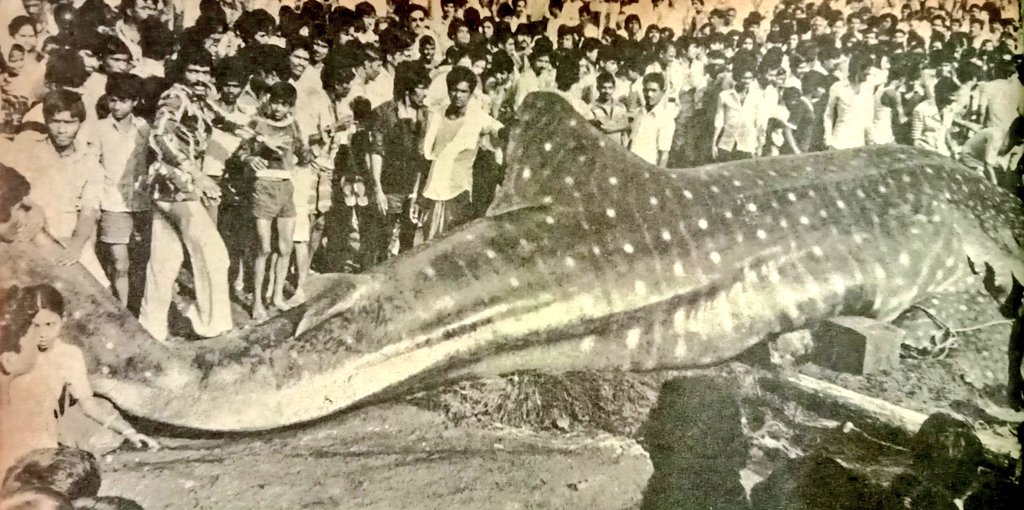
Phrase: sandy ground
(537,440)
(386,457)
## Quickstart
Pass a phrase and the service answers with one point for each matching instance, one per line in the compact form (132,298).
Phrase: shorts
(124,227)
(273,199)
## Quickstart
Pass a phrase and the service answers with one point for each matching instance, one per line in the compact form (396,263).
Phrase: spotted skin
(591,259)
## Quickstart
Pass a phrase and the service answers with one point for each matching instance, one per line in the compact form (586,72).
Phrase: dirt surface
(533,440)
(385,457)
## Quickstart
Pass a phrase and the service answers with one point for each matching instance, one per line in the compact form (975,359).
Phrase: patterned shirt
(180,133)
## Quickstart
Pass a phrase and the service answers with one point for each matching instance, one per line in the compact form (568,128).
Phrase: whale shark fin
(554,152)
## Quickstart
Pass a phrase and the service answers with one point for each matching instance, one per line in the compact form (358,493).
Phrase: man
(66,178)
(453,135)
(180,133)
(654,128)
(397,162)
(610,115)
(538,76)
(396,45)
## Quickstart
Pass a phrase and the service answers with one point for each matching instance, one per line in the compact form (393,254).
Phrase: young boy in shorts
(273,153)
(123,141)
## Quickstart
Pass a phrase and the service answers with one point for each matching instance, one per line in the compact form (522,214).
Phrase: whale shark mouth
(589,258)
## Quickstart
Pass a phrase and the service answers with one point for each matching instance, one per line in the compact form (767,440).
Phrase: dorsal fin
(553,150)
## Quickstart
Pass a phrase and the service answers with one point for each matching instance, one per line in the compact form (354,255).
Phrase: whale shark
(588,259)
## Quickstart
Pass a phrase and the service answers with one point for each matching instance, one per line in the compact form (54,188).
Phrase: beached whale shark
(589,258)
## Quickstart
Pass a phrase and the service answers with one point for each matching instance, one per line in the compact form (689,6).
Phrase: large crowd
(267,139)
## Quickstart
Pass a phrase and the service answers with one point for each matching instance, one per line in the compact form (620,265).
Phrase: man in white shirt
(453,135)
(654,128)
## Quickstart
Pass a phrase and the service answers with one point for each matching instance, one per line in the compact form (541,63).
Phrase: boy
(230,125)
(123,142)
(274,151)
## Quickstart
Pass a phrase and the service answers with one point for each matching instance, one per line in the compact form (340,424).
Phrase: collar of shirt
(133,122)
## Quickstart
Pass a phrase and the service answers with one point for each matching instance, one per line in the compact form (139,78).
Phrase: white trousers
(186,223)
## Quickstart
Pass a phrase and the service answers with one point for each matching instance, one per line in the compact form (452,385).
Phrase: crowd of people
(267,139)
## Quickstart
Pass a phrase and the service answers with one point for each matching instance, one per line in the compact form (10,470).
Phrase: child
(123,141)
(36,314)
(274,151)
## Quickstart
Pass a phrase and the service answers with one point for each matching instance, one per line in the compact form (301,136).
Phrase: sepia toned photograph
(511,254)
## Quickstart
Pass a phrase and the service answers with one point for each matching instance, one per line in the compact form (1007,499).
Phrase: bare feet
(281,303)
(259,312)
(297,299)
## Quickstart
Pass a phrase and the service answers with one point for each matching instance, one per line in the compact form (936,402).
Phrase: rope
(950,334)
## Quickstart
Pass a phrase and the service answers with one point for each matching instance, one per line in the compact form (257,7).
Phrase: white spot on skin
(687,194)
(679,324)
(549,220)
(791,197)
(610,212)
(596,250)
(654,200)
(838,284)
(110,346)
(714,189)
(513,281)
(823,213)
(840,204)
(702,223)
(752,207)
(633,338)
(715,257)
(640,288)
(569,262)
(587,344)
(880,272)
(666,235)
(527,173)
(804,220)
(491,254)
(817,251)
(739,237)
(429,271)
(147,374)
(547,146)
(547,200)
(950,261)
(904,259)
(783,223)
(737,183)
(881,189)
(628,248)
(761,234)
(613,181)
(569,181)
(728,215)
(105,369)
(677,268)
